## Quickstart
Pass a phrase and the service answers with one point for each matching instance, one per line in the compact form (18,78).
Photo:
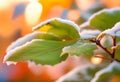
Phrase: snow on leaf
(105,74)
(80,48)
(89,34)
(35,35)
(115,31)
(105,18)
(57,19)
(22,40)
(39,51)
(44,46)
(63,29)
(83,25)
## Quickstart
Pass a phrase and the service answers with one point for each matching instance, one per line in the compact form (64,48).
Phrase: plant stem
(104,57)
(105,49)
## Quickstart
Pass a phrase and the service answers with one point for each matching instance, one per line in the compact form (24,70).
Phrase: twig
(104,57)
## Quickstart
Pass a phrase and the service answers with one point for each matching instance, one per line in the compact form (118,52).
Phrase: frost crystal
(60,20)
(89,34)
(115,31)
(22,40)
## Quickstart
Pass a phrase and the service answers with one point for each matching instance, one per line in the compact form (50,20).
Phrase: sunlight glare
(96,60)
(4,4)
(33,12)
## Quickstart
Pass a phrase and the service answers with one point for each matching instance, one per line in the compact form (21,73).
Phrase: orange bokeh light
(96,60)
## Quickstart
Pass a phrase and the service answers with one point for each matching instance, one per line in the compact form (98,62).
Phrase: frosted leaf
(115,31)
(84,25)
(116,28)
(60,20)
(101,19)
(104,10)
(109,32)
(11,62)
(22,40)
(105,70)
(10,52)
(89,34)
(97,13)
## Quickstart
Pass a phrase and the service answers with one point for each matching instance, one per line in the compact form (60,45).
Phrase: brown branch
(104,57)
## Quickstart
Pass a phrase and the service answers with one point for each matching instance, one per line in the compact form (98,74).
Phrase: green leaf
(81,47)
(63,29)
(107,73)
(30,37)
(40,51)
(46,36)
(114,31)
(117,54)
(105,19)
(55,33)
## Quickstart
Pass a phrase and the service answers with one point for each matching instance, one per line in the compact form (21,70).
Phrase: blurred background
(17,17)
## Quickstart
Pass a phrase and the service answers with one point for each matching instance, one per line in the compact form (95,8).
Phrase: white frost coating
(60,20)
(109,32)
(10,52)
(11,62)
(118,33)
(107,69)
(22,40)
(115,31)
(73,75)
(88,34)
(116,27)
(66,48)
(30,63)
(35,68)
(104,10)
(84,25)
(97,13)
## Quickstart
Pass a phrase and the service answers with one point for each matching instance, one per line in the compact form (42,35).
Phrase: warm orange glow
(48,4)
(115,79)
(19,1)
(84,4)
(96,60)
(73,15)
(112,3)
(33,12)
(53,12)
